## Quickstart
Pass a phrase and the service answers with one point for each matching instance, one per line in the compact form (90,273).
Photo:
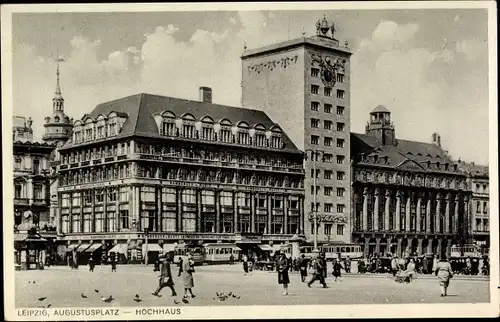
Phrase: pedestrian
(113,265)
(245,264)
(181,266)
(317,273)
(411,269)
(347,265)
(434,263)
(425,265)
(166,279)
(336,269)
(231,259)
(187,276)
(302,262)
(91,264)
(250,266)
(322,258)
(444,274)
(394,266)
(283,266)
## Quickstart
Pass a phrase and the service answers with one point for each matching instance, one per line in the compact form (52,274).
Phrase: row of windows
(328,207)
(327,91)
(327,174)
(328,191)
(328,157)
(484,208)
(482,225)
(315,73)
(20,191)
(327,108)
(96,153)
(328,229)
(484,188)
(327,124)
(37,165)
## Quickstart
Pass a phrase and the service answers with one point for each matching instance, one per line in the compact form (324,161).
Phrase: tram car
(220,253)
(197,252)
(468,250)
(334,251)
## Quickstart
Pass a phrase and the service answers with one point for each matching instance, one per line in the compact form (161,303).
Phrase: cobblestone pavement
(64,288)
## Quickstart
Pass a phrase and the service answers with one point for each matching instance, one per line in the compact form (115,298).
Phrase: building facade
(408,197)
(182,171)
(304,85)
(478,181)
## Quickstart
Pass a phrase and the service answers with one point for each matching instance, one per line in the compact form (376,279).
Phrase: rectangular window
(328,91)
(65,200)
(328,191)
(328,125)
(18,192)
(340,126)
(340,229)
(340,110)
(189,196)
(17,163)
(340,143)
(340,78)
(76,199)
(124,194)
(261,201)
(317,173)
(328,141)
(38,192)
(314,139)
(243,138)
(36,166)
(314,72)
(340,159)
(314,89)
(328,108)
(328,207)
(340,94)
(328,174)
(340,208)
(169,195)
(340,192)
(340,175)
(244,199)
(277,202)
(124,219)
(226,198)
(327,157)
(208,197)
(328,229)
(478,206)
(208,133)
(485,207)
(99,196)
(111,195)
(226,136)
(314,106)
(314,122)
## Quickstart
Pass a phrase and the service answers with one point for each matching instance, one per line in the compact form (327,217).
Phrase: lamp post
(314,210)
(146,243)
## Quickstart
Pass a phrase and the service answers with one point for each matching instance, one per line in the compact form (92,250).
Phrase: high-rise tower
(58,126)
(304,85)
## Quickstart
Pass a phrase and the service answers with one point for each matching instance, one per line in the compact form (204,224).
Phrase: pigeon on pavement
(184,300)
(97,291)
(42,298)
(107,299)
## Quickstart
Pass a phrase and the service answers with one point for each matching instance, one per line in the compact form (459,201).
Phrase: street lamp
(314,210)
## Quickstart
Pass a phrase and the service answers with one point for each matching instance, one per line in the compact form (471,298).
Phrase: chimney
(205,94)
(436,139)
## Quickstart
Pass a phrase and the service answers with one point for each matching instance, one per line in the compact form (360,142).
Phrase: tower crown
(322,28)
(380,126)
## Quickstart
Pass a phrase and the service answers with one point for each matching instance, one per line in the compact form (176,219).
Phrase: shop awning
(71,247)
(82,248)
(152,248)
(93,248)
(120,248)
(168,247)
(266,248)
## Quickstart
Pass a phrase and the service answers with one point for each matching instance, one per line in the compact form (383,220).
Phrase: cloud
(472,49)
(457,18)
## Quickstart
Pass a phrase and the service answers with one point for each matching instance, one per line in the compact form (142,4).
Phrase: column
(29,190)
(252,212)
(440,247)
(448,247)
(269,213)
(418,221)
(117,208)
(367,246)
(377,246)
(302,218)
(92,214)
(398,249)
(447,215)
(437,227)
(58,213)
(365,209)
(428,216)
(235,212)
(457,220)
(397,226)
(159,209)
(105,210)
(429,246)
(407,217)
(467,220)
(375,210)
(387,210)
(410,245)
(199,208)
(217,211)
(420,246)
(70,214)
(179,209)
(81,211)
(285,215)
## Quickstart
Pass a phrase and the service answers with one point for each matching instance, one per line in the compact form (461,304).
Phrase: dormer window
(386,159)
(226,136)
(260,140)
(100,132)
(428,164)
(276,142)
(188,131)
(57,119)
(243,138)
(437,165)
(207,133)
(375,158)
(446,166)
(169,129)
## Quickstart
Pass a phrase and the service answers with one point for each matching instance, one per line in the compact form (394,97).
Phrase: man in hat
(165,276)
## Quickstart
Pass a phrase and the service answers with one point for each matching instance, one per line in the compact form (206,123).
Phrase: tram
(197,253)
(468,250)
(334,251)
(220,253)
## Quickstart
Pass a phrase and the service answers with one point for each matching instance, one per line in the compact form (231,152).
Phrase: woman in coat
(411,269)
(187,276)
(336,269)
(444,273)
(283,265)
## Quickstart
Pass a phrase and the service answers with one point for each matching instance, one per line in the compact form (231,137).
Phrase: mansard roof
(475,170)
(140,109)
(406,155)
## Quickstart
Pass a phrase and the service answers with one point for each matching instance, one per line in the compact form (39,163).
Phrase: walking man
(318,270)
(91,264)
(165,276)
(303,268)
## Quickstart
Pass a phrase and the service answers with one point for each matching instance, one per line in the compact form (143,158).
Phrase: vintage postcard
(226,161)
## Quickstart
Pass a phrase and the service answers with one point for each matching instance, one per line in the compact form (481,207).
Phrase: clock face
(328,76)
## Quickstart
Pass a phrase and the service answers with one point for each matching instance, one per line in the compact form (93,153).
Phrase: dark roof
(475,169)
(140,108)
(380,108)
(405,155)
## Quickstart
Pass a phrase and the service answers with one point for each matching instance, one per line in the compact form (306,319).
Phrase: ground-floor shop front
(135,248)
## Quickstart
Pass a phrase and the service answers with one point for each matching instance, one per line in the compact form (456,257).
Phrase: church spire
(58,100)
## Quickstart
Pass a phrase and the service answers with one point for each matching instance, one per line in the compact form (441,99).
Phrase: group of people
(186,271)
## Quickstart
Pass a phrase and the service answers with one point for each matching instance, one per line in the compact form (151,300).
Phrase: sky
(428,67)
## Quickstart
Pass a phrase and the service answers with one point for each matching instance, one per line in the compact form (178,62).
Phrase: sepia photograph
(177,161)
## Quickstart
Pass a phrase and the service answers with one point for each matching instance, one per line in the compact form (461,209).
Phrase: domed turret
(380,126)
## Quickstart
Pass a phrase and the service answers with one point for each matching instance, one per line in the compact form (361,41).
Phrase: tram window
(348,249)
(342,249)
